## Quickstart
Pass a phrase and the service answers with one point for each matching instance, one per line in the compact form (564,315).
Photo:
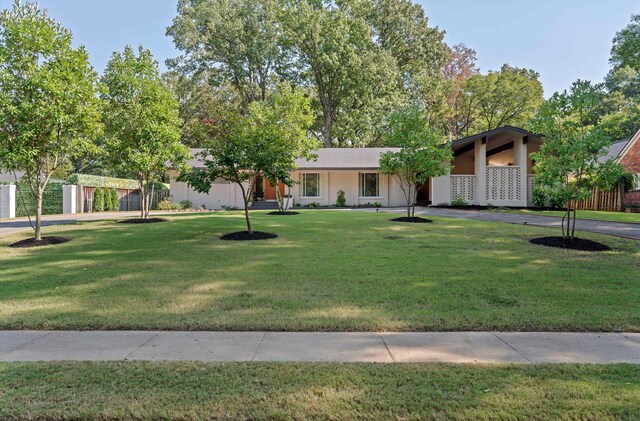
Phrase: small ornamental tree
(422,153)
(265,143)
(280,125)
(49,109)
(141,121)
(568,166)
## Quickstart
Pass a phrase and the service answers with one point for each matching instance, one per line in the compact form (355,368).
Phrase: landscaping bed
(142,220)
(412,219)
(570,243)
(45,241)
(246,236)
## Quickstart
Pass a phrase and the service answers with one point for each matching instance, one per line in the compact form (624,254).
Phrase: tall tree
(240,38)
(141,120)
(626,45)
(460,67)
(49,110)
(567,166)
(207,107)
(422,154)
(509,96)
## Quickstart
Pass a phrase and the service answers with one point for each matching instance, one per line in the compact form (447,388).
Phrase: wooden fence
(129,200)
(612,201)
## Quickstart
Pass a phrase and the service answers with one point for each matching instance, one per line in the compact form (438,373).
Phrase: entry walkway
(454,347)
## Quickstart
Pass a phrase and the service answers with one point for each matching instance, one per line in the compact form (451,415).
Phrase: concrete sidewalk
(455,347)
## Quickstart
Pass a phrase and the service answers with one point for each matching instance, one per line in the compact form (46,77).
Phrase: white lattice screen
(462,187)
(530,189)
(503,183)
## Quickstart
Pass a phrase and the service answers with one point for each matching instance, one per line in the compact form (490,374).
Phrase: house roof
(327,158)
(614,150)
(504,129)
(345,158)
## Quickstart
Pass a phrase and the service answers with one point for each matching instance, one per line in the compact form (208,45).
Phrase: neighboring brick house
(627,153)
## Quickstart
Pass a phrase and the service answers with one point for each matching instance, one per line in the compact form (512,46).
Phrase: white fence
(463,187)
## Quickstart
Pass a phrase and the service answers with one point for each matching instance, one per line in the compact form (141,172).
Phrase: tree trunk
(573,225)
(326,131)
(279,198)
(146,215)
(38,227)
(245,197)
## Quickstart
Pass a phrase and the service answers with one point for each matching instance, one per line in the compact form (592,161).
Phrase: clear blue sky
(561,39)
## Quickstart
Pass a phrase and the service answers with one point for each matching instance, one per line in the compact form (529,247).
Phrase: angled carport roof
(457,144)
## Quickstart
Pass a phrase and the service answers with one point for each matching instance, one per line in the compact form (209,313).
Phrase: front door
(270,192)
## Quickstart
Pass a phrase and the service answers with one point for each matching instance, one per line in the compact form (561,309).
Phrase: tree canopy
(568,166)
(49,110)
(141,120)
(422,154)
(264,143)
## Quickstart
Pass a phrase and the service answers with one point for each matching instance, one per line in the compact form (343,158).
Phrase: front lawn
(581,214)
(328,270)
(268,391)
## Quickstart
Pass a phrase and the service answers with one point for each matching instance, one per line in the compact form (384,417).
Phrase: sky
(563,40)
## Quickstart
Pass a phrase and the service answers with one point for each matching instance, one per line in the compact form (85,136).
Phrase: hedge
(51,199)
(108,182)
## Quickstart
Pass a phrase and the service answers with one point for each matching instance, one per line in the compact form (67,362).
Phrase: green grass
(269,391)
(581,214)
(328,270)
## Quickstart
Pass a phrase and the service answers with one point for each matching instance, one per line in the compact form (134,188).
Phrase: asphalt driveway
(620,229)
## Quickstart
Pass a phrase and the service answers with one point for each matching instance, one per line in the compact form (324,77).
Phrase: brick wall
(632,198)
(631,161)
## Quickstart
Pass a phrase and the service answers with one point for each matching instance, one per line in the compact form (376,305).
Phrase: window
(369,185)
(311,185)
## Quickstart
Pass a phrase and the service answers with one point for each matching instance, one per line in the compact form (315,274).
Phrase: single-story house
(493,167)
(627,153)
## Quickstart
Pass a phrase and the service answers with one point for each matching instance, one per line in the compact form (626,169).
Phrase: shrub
(341,202)
(540,199)
(108,205)
(165,205)
(312,205)
(458,203)
(115,202)
(186,204)
(98,200)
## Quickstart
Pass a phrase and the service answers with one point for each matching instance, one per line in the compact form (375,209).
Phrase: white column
(7,201)
(69,199)
(480,159)
(520,158)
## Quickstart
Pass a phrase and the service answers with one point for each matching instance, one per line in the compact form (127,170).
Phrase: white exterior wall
(220,194)
(441,190)
(69,199)
(8,201)
(347,181)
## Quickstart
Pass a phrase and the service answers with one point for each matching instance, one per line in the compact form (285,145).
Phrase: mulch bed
(46,241)
(283,213)
(573,244)
(412,219)
(142,221)
(245,236)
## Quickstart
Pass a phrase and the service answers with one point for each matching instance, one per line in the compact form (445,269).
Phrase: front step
(264,205)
